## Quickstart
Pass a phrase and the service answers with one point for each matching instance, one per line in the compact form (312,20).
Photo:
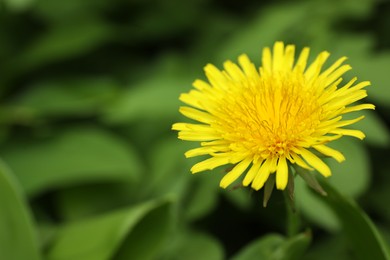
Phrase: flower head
(263,120)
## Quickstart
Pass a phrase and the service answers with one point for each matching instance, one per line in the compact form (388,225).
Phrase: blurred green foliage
(91,170)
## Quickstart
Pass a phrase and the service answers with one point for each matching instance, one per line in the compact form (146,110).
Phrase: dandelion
(262,121)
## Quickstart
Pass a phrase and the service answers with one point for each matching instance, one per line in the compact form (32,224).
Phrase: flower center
(271,116)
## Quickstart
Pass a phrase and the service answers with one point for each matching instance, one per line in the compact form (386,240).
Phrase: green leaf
(59,98)
(64,41)
(362,234)
(371,68)
(261,248)
(333,9)
(155,98)
(18,239)
(197,193)
(332,246)
(310,180)
(137,232)
(293,248)
(18,5)
(268,188)
(203,195)
(167,176)
(83,201)
(57,12)
(366,64)
(374,127)
(351,176)
(240,197)
(275,247)
(258,33)
(75,156)
(313,208)
(195,245)
(379,191)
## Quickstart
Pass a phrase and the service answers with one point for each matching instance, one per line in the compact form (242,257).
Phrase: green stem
(293,218)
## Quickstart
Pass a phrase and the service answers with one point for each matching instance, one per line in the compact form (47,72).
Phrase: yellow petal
(210,164)
(251,174)
(266,62)
(300,66)
(325,150)
(197,115)
(289,57)
(278,56)
(231,176)
(315,68)
(201,151)
(337,74)
(358,108)
(347,122)
(350,132)
(333,67)
(193,98)
(234,71)
(262,175)
(248,67)
(216,77)
(201,85)
(316,162)
(282,174)
(216,142)
(194,127)
(298,160)
(196,136)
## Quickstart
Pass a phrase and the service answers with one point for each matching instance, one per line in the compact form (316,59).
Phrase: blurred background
(90,168)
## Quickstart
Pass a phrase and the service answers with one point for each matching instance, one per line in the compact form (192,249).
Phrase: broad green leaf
(57,12)
(313,208)
(66,97)
(380,190)
(195,245)
(354,46)
(167,175)
(74,203)
(240,196)
(73,157)
(261,248)
(293,248)
(372,68)
(154,98)
(332,246)
(46,230)
(137,232)
(258,33)
(310,179)
(147,239)
(351,177)
(63,42)
(373,126)
(275,247)
(363,236)
(197,193)
(163,20)
(18,238)
(366,64)
(203,195)
(332,10)
(18,5)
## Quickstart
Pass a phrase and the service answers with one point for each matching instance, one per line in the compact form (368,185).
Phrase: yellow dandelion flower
(263,120)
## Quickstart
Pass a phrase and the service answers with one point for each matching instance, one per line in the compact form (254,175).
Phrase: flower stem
(293,221)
